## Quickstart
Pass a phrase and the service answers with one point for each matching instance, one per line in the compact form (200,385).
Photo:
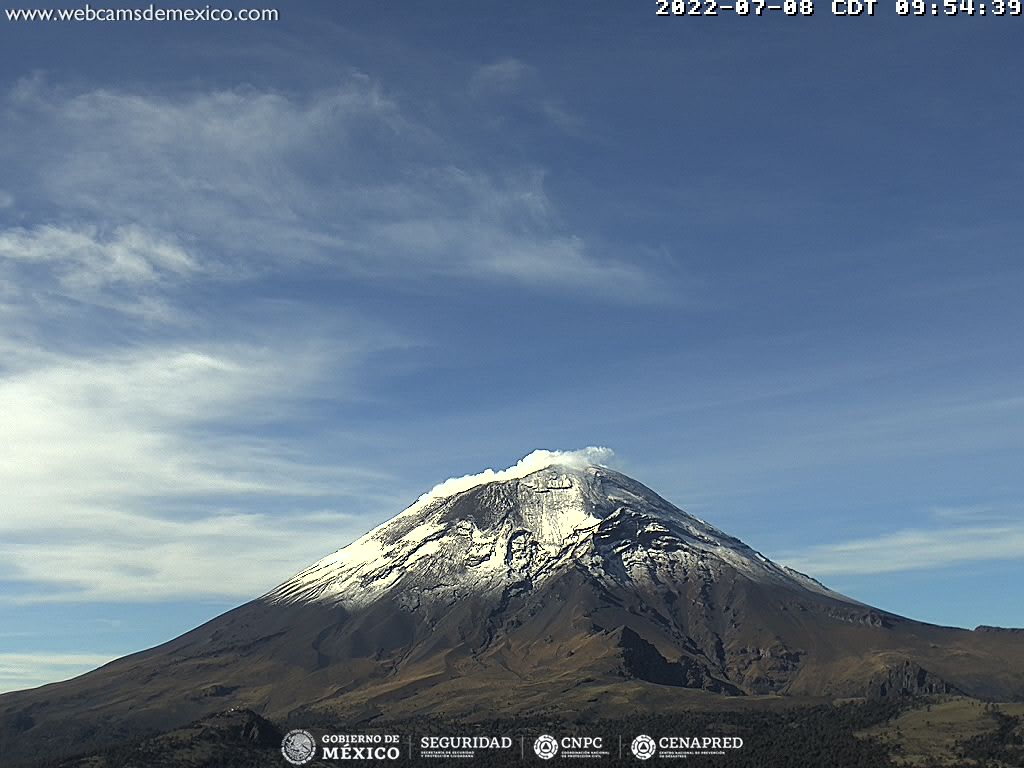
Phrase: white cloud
(145,475)
(127,269)
(120,423)
(343,181)
(512,82)
(109,554)
(912,549)
(501,75)
(88,260)
(973,513)
(144,461)
(28,670)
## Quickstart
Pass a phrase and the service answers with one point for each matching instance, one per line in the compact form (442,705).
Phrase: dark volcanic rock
(1008,630)
(237,737)
(643,661)
(908,679)
(765,669)
(571,588)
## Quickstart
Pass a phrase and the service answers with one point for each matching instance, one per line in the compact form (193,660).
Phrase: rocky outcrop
(248,727)
(644,662)
(764,670)
(908,679)
(1007,630)
(867,618)
(571,587)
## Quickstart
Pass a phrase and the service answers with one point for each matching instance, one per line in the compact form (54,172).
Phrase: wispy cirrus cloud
(127,269)
(148,441)
(85,259)
(511,81)
(153,473)
(987,538)
(28,670)
(345,181)
(110,553)
(131,422)
(501,75)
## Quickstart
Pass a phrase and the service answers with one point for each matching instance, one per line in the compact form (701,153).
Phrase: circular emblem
(643,747)
(298,747)
(546,747)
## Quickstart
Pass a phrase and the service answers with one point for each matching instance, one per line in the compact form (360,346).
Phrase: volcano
(561,584)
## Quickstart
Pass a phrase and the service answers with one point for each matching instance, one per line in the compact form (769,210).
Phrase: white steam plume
(535,461)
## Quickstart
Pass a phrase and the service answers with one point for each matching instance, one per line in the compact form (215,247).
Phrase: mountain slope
(491,536)
(567,587)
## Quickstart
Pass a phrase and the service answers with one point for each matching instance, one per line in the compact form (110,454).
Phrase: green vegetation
(955,732)
(939,732)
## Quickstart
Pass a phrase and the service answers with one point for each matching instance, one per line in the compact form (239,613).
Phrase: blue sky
(262,285)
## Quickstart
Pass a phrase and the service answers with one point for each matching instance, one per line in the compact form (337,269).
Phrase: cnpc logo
(547,746)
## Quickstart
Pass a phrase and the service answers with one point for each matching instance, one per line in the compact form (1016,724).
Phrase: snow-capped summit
(559,582)
(551,513)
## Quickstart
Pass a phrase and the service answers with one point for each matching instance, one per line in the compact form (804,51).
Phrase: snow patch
(573,510)
(534,462)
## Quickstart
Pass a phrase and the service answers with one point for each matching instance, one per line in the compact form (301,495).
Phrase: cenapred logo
(298,747)
(545,746)
(643,747)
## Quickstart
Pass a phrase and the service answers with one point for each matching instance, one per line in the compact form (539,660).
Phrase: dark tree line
(801,737)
